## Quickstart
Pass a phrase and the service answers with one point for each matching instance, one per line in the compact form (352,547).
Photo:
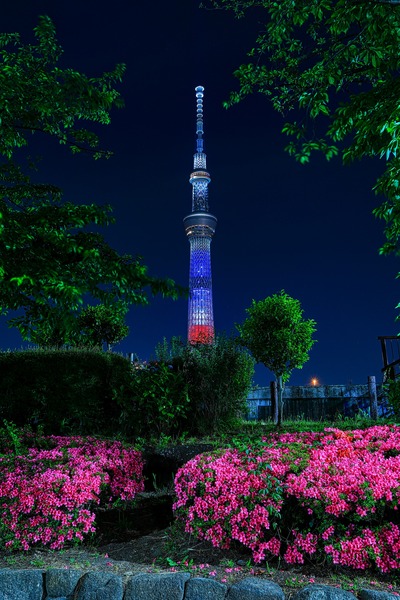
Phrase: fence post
(274,402)
(373,397)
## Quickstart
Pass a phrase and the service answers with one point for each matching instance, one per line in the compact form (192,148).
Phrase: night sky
(305,229)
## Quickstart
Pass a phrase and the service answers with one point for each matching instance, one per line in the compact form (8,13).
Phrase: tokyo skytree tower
(200,227)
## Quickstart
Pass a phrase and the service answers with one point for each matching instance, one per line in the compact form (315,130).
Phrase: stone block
(323,592)
(156,586)
(376,595)
(254,588)
(201,588)
(24,584)
(98,585)
(61,583)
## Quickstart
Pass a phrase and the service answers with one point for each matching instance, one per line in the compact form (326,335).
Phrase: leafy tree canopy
(278,337)
(337,62)
(52,257)
(103,325)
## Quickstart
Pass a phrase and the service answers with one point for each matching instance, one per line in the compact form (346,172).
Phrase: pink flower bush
(48,496)
(303,496)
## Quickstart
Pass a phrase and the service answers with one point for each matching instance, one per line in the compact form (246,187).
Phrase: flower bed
(48,496)
(330,496)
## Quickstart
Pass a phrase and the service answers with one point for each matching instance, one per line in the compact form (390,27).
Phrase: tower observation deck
(200,226)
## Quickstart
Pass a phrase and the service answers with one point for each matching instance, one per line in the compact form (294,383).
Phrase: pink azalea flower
(326,478)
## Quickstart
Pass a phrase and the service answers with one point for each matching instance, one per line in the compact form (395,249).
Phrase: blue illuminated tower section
(200,227)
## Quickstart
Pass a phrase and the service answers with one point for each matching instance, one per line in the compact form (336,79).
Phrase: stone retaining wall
(65,584)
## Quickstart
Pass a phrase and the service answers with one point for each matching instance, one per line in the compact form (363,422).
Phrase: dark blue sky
(306,229)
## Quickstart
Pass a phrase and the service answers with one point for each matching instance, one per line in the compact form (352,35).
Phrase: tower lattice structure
(200,227)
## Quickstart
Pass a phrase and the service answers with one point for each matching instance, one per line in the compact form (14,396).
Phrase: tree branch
(105,153)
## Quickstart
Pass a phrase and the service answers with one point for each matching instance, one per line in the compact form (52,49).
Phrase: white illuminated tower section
(200,227)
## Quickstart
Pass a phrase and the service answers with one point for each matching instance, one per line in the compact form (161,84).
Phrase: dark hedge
(66,391)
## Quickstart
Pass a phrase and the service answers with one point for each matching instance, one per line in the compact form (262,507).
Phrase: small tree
(103,325)
(278,337)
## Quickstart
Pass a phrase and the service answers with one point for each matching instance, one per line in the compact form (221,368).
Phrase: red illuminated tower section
(200,227)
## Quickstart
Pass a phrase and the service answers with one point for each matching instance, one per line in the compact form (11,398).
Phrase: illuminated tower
(200,227)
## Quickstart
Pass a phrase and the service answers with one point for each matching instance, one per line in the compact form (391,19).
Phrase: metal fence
(299,403)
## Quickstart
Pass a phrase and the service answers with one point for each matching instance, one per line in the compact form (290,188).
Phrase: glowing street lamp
(314,381)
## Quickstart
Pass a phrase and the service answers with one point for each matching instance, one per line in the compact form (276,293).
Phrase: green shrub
(157,403)
(193,389)
(392,388)
(219,377)
(66,391)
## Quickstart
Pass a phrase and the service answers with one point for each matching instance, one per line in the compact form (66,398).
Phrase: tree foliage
(103,325)
(219,377)
(36,95)
(157,401)
(278,337)
(336,62)
(52,256)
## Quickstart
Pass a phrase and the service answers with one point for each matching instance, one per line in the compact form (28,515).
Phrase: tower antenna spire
(200,227)
(199,117)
